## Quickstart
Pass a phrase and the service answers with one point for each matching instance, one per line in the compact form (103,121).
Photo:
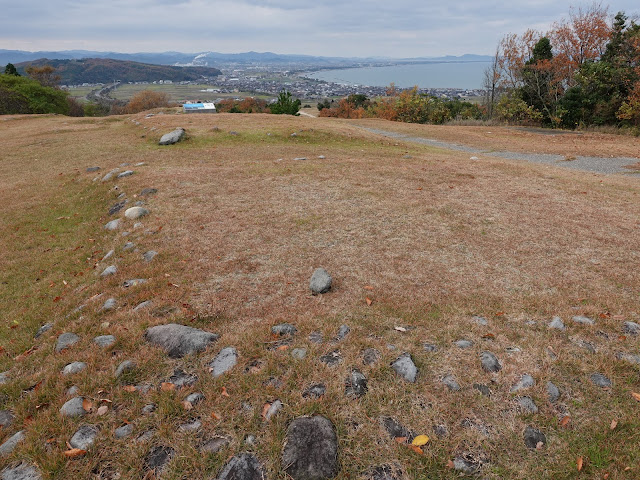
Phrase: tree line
(584,71)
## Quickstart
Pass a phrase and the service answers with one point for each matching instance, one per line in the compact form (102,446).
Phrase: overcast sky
(394,28)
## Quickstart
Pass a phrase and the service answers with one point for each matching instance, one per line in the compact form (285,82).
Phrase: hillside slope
(104,70)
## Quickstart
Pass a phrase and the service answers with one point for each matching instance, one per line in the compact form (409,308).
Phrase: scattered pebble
(179,340)
(528,404)
(526,381)
(158,457)
(92,169)
(143,305)
(583,320)
(73,408)
(533,437)
(108,255)
(194,398)
(128,246)
(430,347)
(117,207)
(299,353)
(84,437)
(224,361)
(331,358)
(182,379)
(355,384)
(284,329)
(395,429)
(124,431)
(631,328)
(110,175)
(124,367)
(20,471)
(405,367)
(134,282)
(464,344)
(66,340)
(110,270)
(11,443)
(557,324)
(134,213)
(600,380)
(553,393)
(192,426)
(113,224)
(314,391)
(342,333)
(371,356)
(244,466)
(150,255)
(75,367)
(6,418)
(148,191)
(316,337)
(214,445)
(275,407)
(43,329)
(480,320)
(490,362)
(451,383)
(149,408)
(483,389)
(126,173)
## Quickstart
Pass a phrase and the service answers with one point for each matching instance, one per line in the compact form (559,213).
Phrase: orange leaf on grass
(368,287)
(87,405)
(401,439)
(565,421)
(580,463)
(636,396)
(215,416)
(416,449)
(74,452)
(265,409)
(187,405)
(167,387)
(224,392)
(129,388)
(283,347)
(614,424)
(369,301)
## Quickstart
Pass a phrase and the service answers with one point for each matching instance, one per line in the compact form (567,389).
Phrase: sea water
(462,75)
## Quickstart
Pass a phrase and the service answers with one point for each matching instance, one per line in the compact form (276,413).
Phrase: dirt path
(613,165)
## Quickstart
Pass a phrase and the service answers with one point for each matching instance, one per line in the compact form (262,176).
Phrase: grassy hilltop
(426,247)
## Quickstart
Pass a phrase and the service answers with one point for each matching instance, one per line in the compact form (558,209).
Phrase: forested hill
(104,70)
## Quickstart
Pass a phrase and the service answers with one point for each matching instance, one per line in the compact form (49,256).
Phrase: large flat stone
(179,340)
(172,137)
(224,361)
(21,471)
(311,449)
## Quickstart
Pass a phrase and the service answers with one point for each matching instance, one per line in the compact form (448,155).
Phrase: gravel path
(586,164)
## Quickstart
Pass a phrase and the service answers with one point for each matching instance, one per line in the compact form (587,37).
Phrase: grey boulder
(105,341)
(533,437)
(311,449)
(320,281)
(179,340)
(75,367)
(172,137)
(134,213)
(73,408)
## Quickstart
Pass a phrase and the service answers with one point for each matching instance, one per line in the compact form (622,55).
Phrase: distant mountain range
(216,59)
(103,70)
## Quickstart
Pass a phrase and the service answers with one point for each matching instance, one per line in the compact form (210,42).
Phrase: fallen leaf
(614,424)
(489,336)
(565,421)
(87,405)
(215,416)
(265,409)
(105,400)
(416,449)
(420,440)
(103,410)
(187,405)
(400,329)
(74,452)
(369,301)
(129,388)
(401,439)
(606,476)
(224,392)
(636,396)
(450,464)
(283,347)
(627,469)
(368,287)
(167,387)
(580,463)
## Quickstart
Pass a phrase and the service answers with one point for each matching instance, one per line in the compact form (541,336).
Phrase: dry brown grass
(439,238)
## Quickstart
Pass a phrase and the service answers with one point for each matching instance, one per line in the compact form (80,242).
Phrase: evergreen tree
(285,104)
(10,69)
